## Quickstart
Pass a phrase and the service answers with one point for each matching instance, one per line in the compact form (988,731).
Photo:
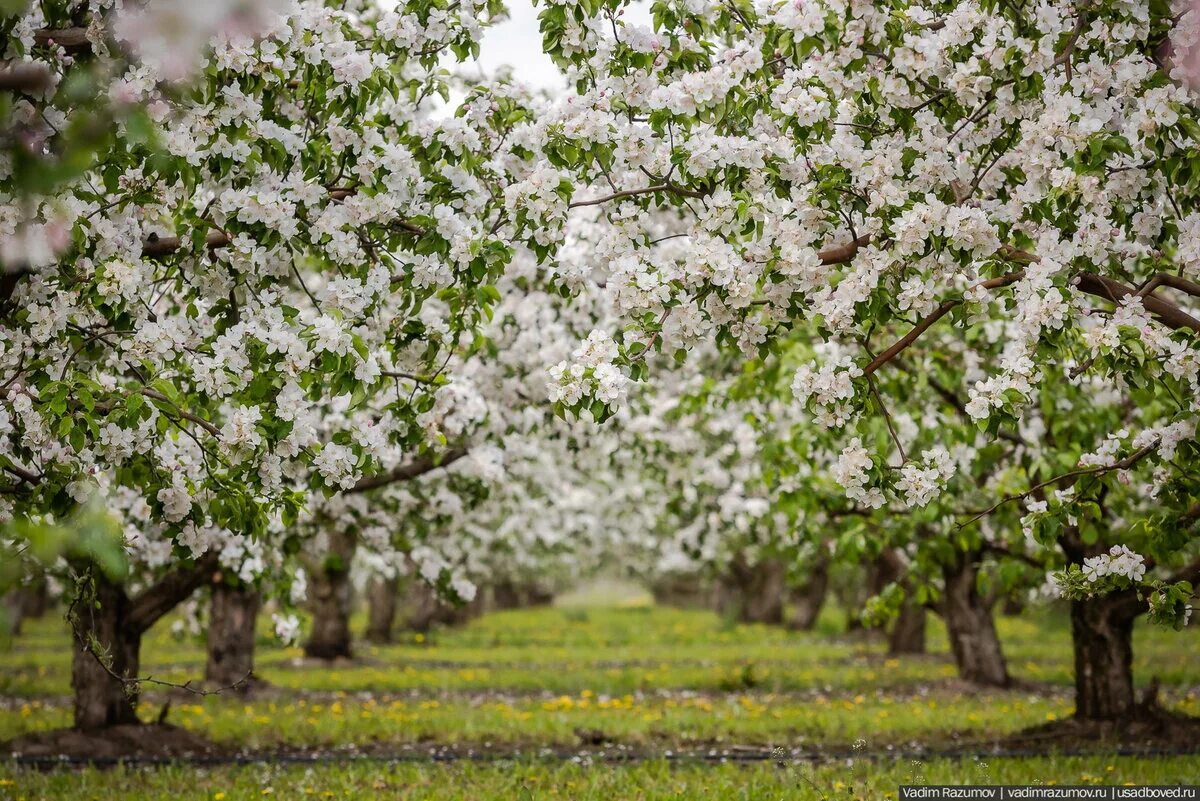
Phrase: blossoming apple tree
(246,251)
(897,177)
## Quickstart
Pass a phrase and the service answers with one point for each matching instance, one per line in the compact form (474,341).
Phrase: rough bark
(809,599)
(108,631)
(1102,634)
(753,593)
(381,608)
(970,626)
(331,598)
(231,634)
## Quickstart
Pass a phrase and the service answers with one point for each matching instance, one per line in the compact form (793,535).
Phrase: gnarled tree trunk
(809,599)
(108,637)
(107,650)
(381,608)
(231,634)
(970,626)
(331,598)
(753,593)
(1102,634)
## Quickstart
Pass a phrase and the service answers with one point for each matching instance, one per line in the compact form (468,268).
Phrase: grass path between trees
(570,682)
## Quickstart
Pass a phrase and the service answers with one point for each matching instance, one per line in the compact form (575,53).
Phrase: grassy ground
(532,781)
(649,679)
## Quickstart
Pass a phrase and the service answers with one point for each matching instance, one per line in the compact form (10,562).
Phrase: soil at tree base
(1149,728)
(1148,734)
(153,741)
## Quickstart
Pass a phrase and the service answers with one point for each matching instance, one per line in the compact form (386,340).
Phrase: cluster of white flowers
(1119,561)
(589,374)
(920,483)
(851,471)
(287,628)
(830,387)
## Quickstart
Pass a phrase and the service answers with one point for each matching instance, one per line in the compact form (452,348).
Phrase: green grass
(744,719)
(534,780)
(655,680)
(615,651)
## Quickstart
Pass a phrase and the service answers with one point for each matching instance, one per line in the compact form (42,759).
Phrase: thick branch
(25,78)
(843,253)
(1163,310)
(169,591)
(411,470)
(156,246)
(73,40)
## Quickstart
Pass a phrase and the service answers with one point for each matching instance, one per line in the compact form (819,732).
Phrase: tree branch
(169,591)
(25,78)
(646,190)
(73,40)
(941,311)
(411,470)
(1163,310)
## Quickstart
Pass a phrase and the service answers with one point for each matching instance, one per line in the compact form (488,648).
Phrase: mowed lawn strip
(941,720)
(649,781)
(613,651)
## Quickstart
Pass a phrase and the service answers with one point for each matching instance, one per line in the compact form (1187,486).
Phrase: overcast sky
(518,43)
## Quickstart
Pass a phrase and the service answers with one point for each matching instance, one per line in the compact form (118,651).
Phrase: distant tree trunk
(1102,635)
(420,606)
(331,599)
(231,634)
(908,630)
(1013,606)
(537,595)
(381,608)
(506,595)
(108,636)
(969,625)
(14,612)
(810,598)
(424,609)
(753,593)
(907,635)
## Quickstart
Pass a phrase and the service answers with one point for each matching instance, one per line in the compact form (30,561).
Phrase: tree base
(1148,728)
(328,652)
(155,741)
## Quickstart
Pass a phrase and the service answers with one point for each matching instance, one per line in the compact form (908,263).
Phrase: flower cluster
(590,380)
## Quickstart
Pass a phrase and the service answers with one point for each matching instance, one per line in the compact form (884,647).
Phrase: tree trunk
(14,613)
(908,631)
(753,593)
(104,632)
(111,629)
(506,595)
(381,608)
(1102,634)
(970,627)
(332,598)
(231,634)
(810,598)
